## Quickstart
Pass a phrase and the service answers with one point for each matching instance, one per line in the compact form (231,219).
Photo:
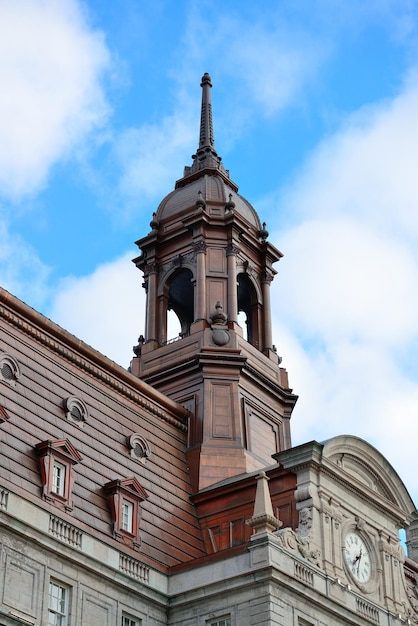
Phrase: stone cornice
(286,395)
(16,313)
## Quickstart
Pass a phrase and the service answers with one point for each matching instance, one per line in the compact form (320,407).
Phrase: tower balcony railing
(176,338)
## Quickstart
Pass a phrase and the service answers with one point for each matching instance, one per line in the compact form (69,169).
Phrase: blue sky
(315,112)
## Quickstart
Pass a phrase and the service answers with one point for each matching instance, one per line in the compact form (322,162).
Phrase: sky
(315,106)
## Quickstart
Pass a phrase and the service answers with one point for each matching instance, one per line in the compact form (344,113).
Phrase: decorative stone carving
(75,410)
(232,249)
(230,205)
(139,447)
(9,369)
(150,268)
(200,247)
(267,277)
(138,348)
(305,522)
(295,542)
(220,333)
(166,269)
(200,203)
(154,223)
(177,261)
(263,233)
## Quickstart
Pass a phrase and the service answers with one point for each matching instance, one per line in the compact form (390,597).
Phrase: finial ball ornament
(206,80)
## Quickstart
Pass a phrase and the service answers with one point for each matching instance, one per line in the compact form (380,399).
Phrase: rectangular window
(57,605)
(127,515)
(129,621)
(225,621)
(58,479)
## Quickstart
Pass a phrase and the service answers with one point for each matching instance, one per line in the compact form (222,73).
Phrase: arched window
(248,308)
(181,299)
(242,321)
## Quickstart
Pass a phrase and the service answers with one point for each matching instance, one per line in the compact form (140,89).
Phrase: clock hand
(358,561)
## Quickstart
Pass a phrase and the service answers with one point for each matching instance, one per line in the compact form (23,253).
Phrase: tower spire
(206,125)
(206,155)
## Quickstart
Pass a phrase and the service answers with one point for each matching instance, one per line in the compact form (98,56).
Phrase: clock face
(357,557)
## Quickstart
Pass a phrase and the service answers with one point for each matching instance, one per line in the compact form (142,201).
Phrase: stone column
(232,302)
(200,298)
(267,332)
(151,271)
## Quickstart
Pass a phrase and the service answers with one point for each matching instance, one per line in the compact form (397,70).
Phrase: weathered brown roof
(54,365)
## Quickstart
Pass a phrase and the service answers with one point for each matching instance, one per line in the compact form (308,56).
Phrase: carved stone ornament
(200,203)
(267,277)
(9,369)
(232,249)
(230,205)
(75,410)
(151,268)
(200,246)
(218,316)
(177,261)
(137,350)
(220,334)
(295,543)
(220,337)
(139,447)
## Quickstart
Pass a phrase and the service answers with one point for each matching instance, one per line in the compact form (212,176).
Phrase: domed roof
(206,179)
(214,191)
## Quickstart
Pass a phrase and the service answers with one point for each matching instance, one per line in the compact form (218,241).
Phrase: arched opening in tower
(181,302)
(248,308)
(242,321)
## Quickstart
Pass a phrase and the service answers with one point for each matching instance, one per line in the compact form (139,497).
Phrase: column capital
(232,249)
(151,268)
(267,277)
(200,247)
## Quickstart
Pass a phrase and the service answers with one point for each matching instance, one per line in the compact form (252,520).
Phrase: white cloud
(346,296)
(106,308)
(351,282)
(150,156)
(50,71)
(275,64)
(367,169)
(22,272)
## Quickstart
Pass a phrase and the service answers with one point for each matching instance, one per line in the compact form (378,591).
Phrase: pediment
(129,485)
(356,458)
(363,472)
(60,447)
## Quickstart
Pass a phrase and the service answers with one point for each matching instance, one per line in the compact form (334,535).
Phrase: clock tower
(208,260)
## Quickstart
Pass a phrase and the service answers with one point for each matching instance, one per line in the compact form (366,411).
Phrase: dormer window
(57,460)
(125,497)
(58,479)
(127,516)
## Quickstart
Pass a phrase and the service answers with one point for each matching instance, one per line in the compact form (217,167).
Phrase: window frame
(120,492)
(59,473)
(225,620)
(127,516)
(128,620)
(62,615)
(52,454)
